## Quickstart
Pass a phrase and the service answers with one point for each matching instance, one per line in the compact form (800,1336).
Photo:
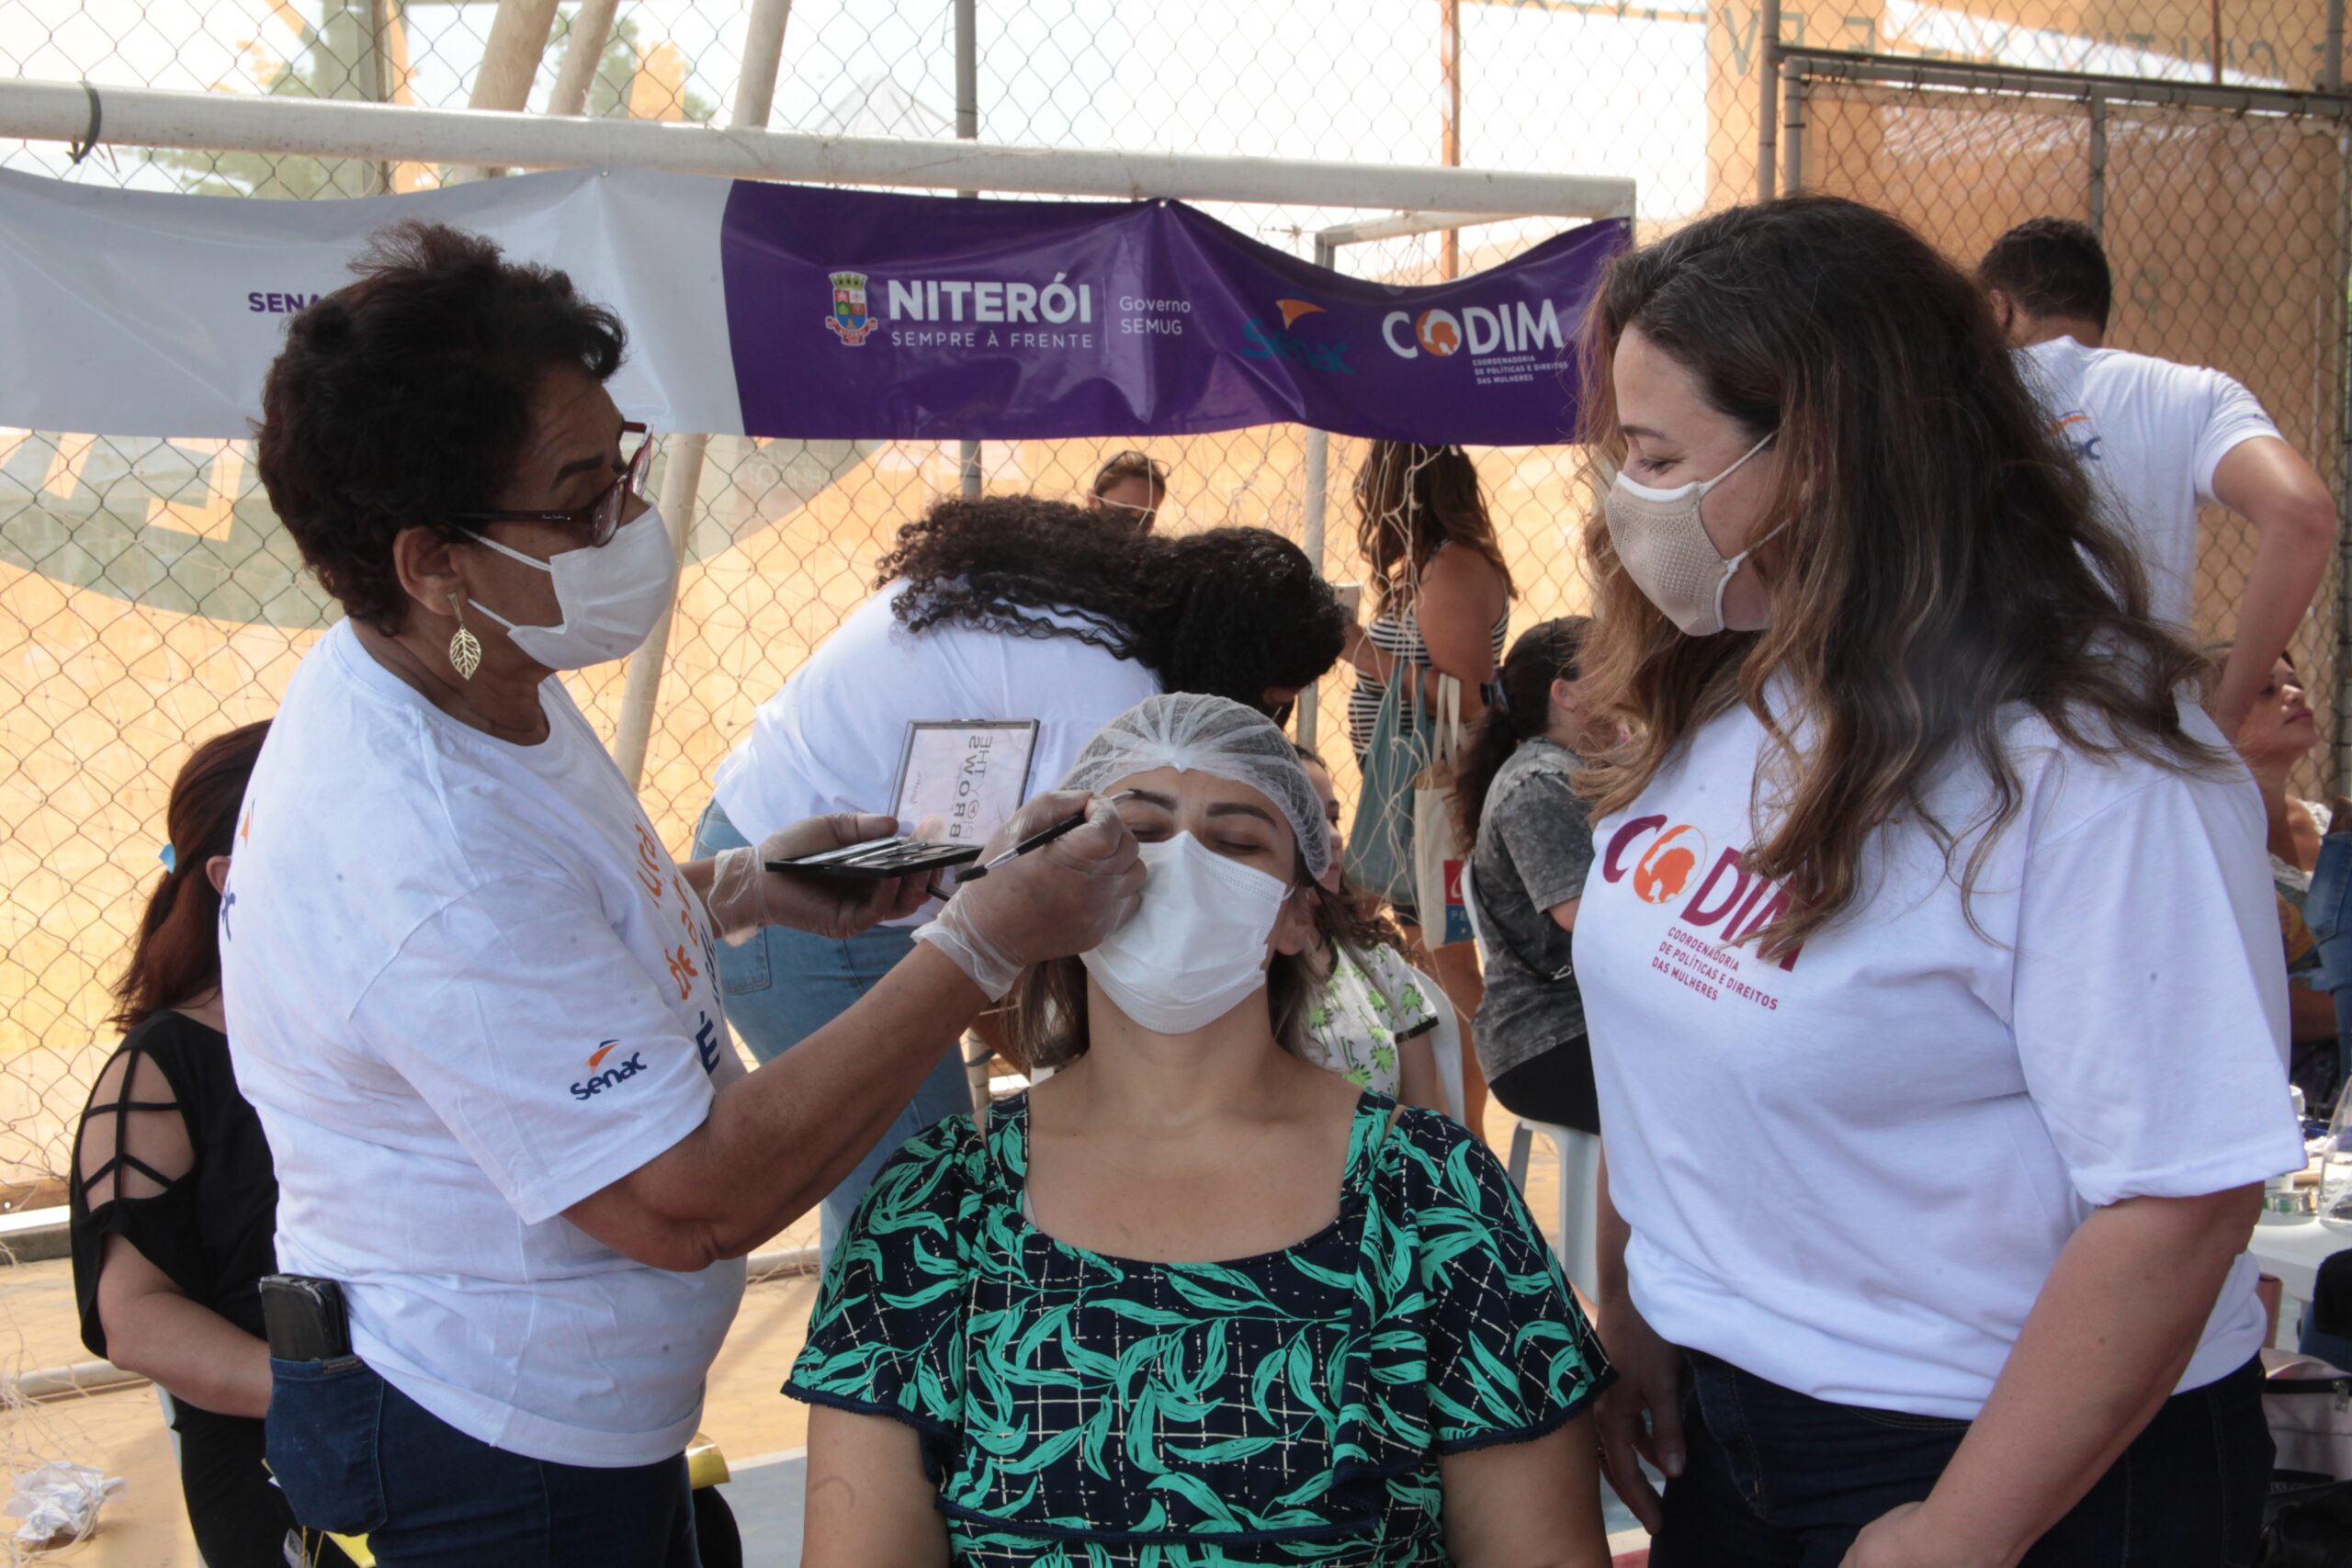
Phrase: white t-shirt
(467,988)
(831,739)
(1850,1171)
(2150,432)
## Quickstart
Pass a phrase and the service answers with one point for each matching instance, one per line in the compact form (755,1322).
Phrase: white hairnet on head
(1193,733)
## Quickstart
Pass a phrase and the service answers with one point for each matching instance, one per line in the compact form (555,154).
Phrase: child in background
(1372,1020)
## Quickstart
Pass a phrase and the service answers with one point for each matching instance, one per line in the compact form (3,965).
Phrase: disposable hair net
(1190,732)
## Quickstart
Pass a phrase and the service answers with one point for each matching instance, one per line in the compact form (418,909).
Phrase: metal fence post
(583,48)
(2097,194)
(518,37)
(1792,127)
(1315,500)
(968,129)
(1767,91)
(681,483)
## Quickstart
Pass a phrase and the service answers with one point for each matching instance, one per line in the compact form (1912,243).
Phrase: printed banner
(853,314)
(810,313)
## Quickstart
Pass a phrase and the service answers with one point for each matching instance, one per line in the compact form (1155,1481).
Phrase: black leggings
(240,1520)
(1556,1087)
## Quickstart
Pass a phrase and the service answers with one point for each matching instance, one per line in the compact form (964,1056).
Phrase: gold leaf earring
(464,648)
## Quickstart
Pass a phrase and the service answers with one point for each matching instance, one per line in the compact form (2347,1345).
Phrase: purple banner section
(856,315)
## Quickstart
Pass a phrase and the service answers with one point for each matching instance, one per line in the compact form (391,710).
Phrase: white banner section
(145,313)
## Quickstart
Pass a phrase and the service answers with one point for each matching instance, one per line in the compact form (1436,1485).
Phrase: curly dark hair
(1232,611)
(2052,266)
(405,397)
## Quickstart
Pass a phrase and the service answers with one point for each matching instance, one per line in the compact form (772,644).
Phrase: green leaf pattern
(1352,1025)
(1289,1409)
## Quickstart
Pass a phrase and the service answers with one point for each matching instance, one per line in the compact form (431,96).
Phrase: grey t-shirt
(1534,848)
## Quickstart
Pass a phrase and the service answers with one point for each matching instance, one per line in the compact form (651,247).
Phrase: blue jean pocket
(320,1440)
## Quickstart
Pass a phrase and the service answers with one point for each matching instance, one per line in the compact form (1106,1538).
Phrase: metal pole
(2213,27)
(2098,168)
(518,37)
(327,128)
(2331,64)
(968,129)
(1449,48)
(1792,127)
(682,484)
(1310,533)
(1768,94)
(380,75)
(583,50)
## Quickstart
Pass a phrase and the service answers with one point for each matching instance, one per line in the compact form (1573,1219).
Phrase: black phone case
(914,860)
(305,1319)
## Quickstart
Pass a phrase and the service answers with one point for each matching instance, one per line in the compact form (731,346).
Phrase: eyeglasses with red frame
(601,518)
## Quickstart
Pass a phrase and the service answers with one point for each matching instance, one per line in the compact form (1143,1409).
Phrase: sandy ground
(122,1432)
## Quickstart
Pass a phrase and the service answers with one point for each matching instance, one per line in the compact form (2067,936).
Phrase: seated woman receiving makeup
(1193,1302)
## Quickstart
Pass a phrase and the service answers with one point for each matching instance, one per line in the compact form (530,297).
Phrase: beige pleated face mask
(1663,543)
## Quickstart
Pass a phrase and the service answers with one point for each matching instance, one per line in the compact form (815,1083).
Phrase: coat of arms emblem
(851,321)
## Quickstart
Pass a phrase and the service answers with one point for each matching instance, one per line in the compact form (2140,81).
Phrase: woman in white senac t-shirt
(473,996)
(1935,994)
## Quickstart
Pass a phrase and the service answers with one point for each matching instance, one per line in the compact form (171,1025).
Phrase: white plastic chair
(1574,1233)
(1445,1044)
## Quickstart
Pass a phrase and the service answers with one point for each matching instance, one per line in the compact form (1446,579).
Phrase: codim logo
(1663,857)
(1514,328)
(610,1077)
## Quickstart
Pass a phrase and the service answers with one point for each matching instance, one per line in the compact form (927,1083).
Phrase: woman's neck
(2277,809)
(503,707)
(1131,1077)
(206,1009)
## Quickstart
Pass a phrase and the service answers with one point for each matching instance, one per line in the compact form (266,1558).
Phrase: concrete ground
(122,1431)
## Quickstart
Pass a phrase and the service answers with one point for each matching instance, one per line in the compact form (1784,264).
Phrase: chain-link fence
(148,599)
(2224,223)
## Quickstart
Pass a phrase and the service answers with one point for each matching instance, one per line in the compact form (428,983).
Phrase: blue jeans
(782,986)
(1777,1478)
(2327,909)
(356,1456)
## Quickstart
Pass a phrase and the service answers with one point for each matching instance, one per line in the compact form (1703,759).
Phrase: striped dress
(1397,632)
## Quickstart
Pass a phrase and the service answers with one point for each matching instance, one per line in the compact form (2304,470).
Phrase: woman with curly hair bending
(1009,608)
(1928,951)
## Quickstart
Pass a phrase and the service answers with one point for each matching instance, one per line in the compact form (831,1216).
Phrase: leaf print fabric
(1370,1001)
(1289,1408)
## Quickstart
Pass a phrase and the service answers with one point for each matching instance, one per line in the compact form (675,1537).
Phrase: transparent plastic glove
(745,895)
(1051,903)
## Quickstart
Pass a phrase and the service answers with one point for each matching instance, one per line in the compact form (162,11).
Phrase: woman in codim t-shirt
(1913,1266)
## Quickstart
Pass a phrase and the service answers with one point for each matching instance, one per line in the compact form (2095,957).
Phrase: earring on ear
(464,648)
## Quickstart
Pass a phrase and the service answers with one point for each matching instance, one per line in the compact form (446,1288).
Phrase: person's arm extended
(1565,915)
(2109,1337)
(1649,1375)
(196,1354)
(868,1499)
(2310,1015)
(778,1140)
(1417,1077)
(2268,483)
(1531,1505)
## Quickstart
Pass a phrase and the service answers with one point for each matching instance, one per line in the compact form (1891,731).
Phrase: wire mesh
(148,599)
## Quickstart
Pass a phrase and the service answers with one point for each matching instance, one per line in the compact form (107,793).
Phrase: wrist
(1967,1536)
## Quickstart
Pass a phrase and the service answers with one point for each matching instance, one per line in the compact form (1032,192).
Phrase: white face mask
(610,595)
(1198,945)
(1663,543)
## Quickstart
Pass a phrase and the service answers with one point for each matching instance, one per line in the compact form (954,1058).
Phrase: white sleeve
(539,1041)
(2150,998)
(2233,415)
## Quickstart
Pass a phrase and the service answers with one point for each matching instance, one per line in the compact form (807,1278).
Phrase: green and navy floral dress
(1289,1408)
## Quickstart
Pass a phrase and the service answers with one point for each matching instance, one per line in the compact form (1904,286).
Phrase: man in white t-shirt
(2161,440)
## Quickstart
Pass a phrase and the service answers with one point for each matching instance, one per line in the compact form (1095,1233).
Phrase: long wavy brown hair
(1410,500)
(1943,567)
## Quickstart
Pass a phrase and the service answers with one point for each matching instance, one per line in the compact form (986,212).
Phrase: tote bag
(1380,844)
(1438,852)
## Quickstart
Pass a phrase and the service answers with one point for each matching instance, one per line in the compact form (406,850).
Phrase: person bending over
(1192,1299)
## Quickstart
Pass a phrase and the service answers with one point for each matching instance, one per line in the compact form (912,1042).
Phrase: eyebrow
(1641,430)
(588,465)
(1222,809)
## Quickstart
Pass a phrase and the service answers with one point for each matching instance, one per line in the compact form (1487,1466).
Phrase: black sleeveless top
(211,1231)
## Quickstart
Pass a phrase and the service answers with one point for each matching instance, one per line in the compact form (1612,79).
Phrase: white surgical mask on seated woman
(1199,943)
(611,595)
